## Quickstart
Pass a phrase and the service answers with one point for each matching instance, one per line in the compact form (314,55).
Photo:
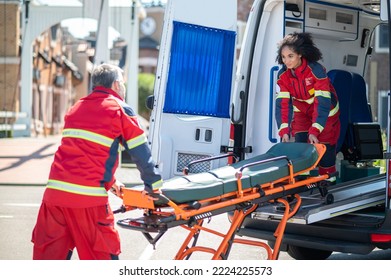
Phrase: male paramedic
(75,212)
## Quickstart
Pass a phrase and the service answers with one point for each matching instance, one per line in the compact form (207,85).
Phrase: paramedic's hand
(116,188)
(312,139)
(151,194)
(285,138)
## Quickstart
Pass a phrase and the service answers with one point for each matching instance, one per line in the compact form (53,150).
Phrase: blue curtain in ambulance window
(200,73)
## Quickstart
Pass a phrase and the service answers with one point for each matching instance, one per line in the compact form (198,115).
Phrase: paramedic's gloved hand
(148,188)
(312,139)
(285,138)
(116,188)
(151,192)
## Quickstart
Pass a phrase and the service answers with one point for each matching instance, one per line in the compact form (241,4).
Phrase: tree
(145,88)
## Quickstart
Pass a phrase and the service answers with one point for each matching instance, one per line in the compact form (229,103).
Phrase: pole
(131,66)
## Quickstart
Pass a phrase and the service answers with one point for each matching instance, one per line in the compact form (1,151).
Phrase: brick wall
(9,29)
(244,7)
(9,51)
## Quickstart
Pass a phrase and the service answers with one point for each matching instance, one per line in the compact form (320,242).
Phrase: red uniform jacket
(313,99)
(96,127)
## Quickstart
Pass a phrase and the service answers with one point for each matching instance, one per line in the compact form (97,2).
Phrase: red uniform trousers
(329,136)
(60,229)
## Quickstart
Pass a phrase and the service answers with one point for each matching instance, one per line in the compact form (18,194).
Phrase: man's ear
(115,86)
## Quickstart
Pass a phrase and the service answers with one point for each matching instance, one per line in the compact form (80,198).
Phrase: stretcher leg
(228,239)
(237,221)
(223,250)
(193,235)
(279,233)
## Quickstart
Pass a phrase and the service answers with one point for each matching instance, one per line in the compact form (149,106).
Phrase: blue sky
(79,2)
(81,27)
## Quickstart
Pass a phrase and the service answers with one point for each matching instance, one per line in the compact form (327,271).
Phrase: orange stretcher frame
(242,202)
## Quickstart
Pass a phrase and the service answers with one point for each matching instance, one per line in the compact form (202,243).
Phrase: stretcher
(238,189)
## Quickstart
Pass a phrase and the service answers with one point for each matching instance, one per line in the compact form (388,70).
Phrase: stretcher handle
(122,209)
(239,173)
(187,168)
(160,197)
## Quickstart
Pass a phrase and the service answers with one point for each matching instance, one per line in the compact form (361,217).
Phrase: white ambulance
(210,100)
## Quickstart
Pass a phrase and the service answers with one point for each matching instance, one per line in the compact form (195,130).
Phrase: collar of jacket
(100,89)
(300,70)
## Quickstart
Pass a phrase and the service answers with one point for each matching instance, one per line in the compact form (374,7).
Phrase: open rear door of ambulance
(385,14)
(194,79)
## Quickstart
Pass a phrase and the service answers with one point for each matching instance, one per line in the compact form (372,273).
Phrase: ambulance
(215,91)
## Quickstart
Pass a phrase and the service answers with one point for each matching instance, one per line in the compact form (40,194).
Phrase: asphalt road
(19,207)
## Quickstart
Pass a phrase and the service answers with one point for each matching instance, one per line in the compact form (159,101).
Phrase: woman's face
(291,59)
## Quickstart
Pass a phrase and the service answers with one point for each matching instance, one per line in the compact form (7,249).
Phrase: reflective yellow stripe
(88,135)
(76,189)
(282,126)
(295,109)
(334,111)
(137,141)
(325,94)
(157,185)
(308,101)
(283,94)
(318,126)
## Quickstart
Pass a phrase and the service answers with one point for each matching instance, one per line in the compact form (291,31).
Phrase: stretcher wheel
(322,186)
(329,198)
(230,216)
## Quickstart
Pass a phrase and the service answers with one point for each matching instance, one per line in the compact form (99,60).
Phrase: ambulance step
(347,198)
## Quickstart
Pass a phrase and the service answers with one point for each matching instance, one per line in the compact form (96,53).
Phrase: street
(19,206)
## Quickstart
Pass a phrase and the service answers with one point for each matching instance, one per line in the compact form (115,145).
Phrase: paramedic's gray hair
(105,75)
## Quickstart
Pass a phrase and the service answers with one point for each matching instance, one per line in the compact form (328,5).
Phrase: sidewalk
(27,161)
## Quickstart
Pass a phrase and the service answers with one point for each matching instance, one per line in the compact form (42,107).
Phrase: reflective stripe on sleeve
(283,94)
(318,126)
(136,141)
(334,111)
(325,94)
(157,185)
(282,126)
(76,189)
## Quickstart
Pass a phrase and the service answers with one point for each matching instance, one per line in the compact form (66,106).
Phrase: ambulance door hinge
(386,155)
(236,150)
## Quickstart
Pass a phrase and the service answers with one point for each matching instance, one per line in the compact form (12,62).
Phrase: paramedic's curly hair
(302,44)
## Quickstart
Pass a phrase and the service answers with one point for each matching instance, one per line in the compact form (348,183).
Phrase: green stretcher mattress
(200,186)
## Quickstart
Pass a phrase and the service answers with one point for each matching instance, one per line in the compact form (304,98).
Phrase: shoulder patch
(318,70)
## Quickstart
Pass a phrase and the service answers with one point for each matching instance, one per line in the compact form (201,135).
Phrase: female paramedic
(75,212)
(305,88)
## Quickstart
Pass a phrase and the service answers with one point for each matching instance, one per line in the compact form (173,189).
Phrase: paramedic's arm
(135,144)
(282,111)
(322,104)
(141,156)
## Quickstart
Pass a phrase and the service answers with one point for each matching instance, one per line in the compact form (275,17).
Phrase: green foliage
(145,88)
(381,162)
